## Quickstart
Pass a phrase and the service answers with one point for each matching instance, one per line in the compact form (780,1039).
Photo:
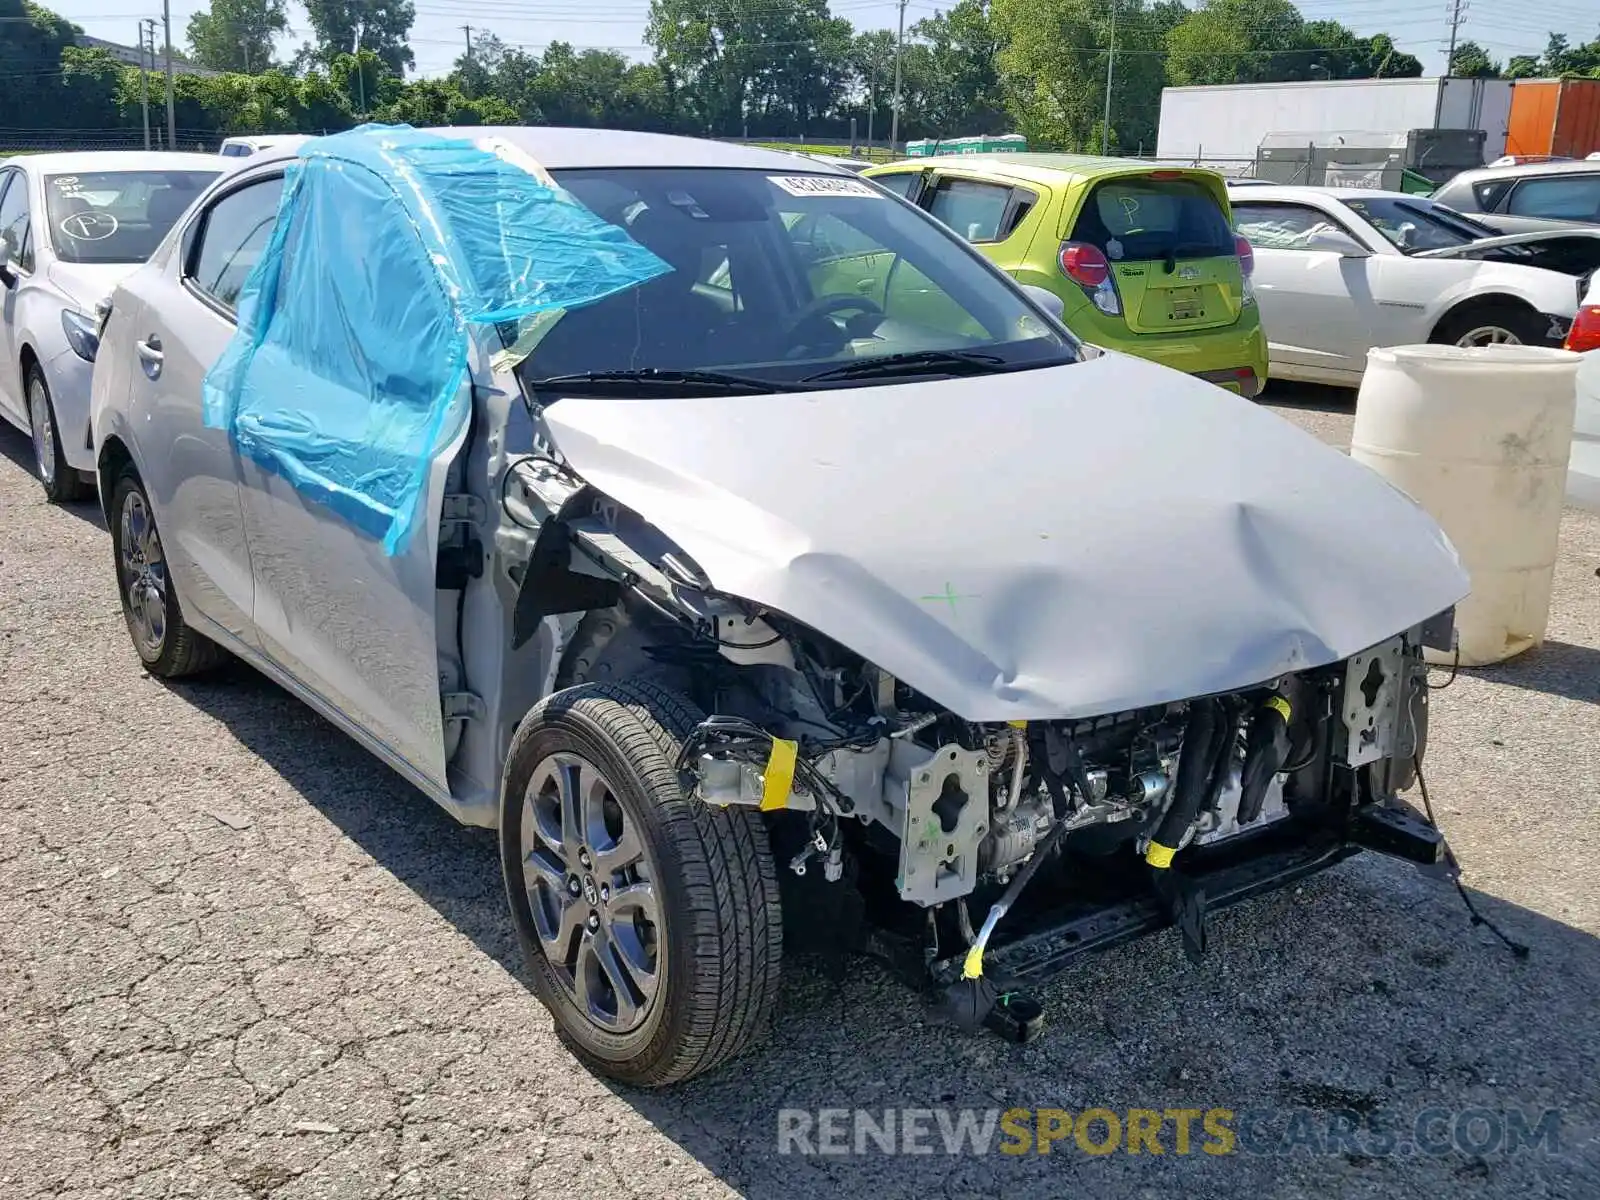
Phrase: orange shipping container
(1559,117)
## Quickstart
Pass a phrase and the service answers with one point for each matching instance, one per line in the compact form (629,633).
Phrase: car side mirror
(1333,243)
(8,270)
(1045,299)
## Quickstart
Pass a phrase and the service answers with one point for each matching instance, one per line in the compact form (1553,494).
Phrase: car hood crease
(1048,544)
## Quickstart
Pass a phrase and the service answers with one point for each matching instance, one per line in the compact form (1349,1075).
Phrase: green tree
(237,35)
(1472,61)
(872,78)
(345,26)
(959,76)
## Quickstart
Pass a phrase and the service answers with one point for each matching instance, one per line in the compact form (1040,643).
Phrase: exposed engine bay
(874,785)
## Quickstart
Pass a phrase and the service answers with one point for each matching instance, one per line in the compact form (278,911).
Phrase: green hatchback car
(1144,257)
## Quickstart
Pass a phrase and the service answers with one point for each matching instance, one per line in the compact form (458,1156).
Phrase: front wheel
(62,484)
(166,645)
(650,920)
(1493,325)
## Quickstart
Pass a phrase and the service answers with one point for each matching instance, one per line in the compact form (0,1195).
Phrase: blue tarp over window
(345,374)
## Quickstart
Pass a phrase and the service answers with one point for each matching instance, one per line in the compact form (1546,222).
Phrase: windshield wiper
(711,383)
(916,362)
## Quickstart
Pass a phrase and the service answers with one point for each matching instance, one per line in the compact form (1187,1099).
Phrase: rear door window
(1558,198)
(232,239)
(1139,219)
(14,218)
(974,209)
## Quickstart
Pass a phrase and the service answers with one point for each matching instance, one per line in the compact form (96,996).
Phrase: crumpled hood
(86,284)
(1040,545)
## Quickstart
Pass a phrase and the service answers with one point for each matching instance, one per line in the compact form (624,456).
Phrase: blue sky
(1419,26)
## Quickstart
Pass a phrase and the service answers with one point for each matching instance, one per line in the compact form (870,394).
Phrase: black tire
(719,951)
(177,650)
(1522,324)
(62,484)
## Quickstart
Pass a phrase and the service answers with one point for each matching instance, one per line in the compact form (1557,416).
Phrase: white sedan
(72,226)
(1341,270)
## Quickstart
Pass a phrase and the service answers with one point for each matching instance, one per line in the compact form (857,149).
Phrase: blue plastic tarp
(345,373)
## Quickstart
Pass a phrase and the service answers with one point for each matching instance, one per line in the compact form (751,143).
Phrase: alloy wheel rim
(144,575)
(44,431)
(590,888)
(1489,335)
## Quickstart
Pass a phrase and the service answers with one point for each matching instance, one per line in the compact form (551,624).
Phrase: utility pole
(1458,9)
(361,74)
(172,117)
(146,29)
(244,44)
(1111,66)
(894,112)
(467,29)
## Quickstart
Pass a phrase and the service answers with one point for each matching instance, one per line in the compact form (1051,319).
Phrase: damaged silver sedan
(790,567)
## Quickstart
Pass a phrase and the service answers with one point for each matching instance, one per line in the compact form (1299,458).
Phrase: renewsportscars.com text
(1181,1131)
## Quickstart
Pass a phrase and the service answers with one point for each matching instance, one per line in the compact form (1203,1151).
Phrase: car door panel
(355,624)
(1313,281)
(351,622)
(190,471)
(12,185)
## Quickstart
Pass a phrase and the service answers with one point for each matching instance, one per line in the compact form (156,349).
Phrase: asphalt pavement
(241,959)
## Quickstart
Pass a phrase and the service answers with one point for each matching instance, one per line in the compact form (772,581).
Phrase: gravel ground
(238,958)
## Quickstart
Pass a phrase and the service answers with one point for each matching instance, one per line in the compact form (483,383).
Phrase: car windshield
(777,278)
(1413,227)
(117,216)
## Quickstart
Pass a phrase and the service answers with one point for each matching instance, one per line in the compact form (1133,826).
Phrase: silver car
(71,226)
(738,542)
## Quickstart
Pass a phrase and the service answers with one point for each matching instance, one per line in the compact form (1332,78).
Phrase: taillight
(1585,331)
(1087,267)
(1084,264)
(1247,256)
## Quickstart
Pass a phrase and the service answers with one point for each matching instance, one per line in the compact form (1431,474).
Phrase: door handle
(150,355)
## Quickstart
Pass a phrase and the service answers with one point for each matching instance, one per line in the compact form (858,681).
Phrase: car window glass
(1490,194)
(1289,227)
(972,209)
(900,184)
(1558,198)
(117,216)
(1019,214)
(1412,226)
(776,277)
(235,232)
(1139,218)
(14,220)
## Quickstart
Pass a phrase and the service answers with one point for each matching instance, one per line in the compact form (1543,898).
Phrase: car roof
(1294,191)
(558,148)
(116,160)
(1044,168)
(1574,166)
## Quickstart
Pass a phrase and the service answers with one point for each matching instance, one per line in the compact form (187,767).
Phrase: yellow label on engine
(1281,705)
(1159,856)
(1017,724)
(778,778)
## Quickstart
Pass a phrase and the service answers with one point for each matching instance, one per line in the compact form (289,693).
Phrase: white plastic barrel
(1479,437)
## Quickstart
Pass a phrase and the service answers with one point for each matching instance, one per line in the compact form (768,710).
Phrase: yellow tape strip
(1282,705)
(1159,856)
(973,967)
(778,778)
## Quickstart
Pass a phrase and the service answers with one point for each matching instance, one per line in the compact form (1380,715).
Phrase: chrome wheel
(591,891)
(44,429)
(144,575)
(1489,335)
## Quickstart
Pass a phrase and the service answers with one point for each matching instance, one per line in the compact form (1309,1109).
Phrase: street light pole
(1111,65)
(172,116)
(146,29)
(894,117)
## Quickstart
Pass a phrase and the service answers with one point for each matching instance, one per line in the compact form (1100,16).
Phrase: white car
(1583,473)
(71,227)
(244,147)
(1341,270)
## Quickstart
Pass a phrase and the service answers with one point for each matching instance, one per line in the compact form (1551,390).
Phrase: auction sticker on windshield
(825,185)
